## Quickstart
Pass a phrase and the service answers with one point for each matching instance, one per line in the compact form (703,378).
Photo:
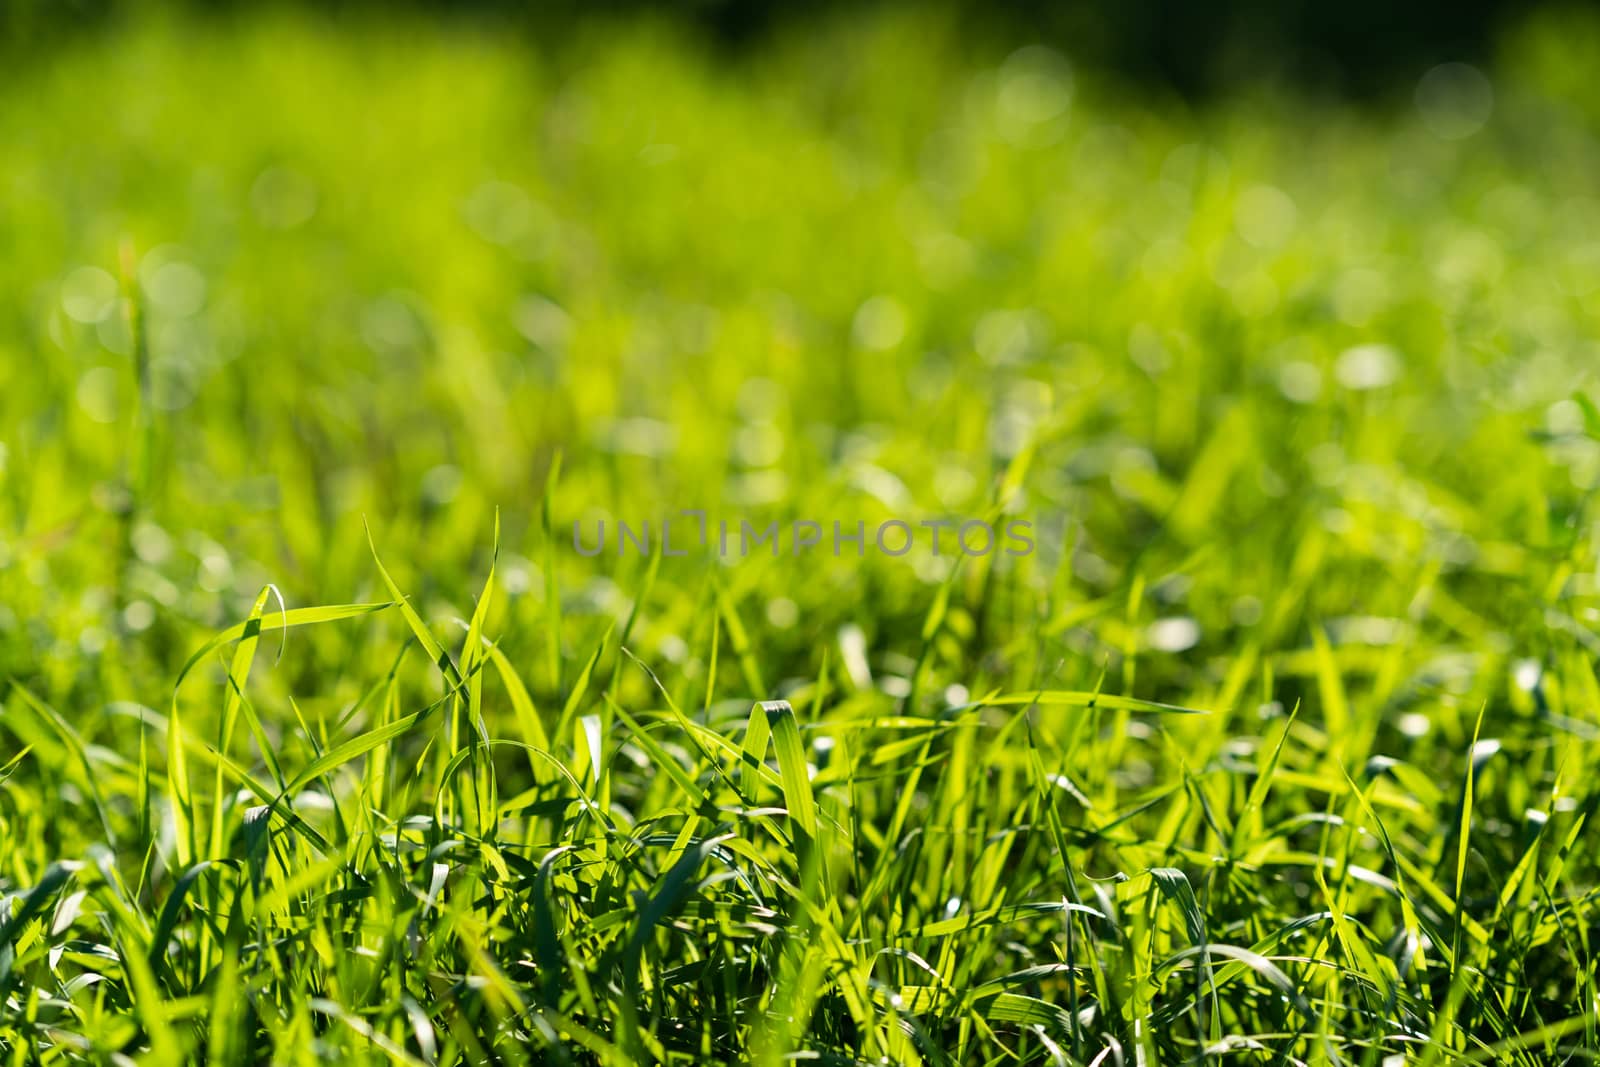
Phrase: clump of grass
(1278,749)
(848,878)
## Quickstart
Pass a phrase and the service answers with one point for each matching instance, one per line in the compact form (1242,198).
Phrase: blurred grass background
(393,274)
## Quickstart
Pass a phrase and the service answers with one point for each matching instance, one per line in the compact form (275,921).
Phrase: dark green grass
(1280,748)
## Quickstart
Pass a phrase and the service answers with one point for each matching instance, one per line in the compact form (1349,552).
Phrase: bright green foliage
(1281,747)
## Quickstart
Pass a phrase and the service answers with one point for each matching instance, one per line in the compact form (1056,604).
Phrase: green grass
(1292,393)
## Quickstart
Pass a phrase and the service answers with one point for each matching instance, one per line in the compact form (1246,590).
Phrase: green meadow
(322,741)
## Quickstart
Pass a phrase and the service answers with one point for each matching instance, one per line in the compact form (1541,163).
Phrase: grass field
(1281,747)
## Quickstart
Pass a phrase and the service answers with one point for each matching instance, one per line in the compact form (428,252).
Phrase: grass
(320,742)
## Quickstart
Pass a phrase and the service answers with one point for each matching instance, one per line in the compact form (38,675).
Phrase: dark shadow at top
(1353,48)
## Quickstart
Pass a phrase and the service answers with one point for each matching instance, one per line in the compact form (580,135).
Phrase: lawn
(328,344)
